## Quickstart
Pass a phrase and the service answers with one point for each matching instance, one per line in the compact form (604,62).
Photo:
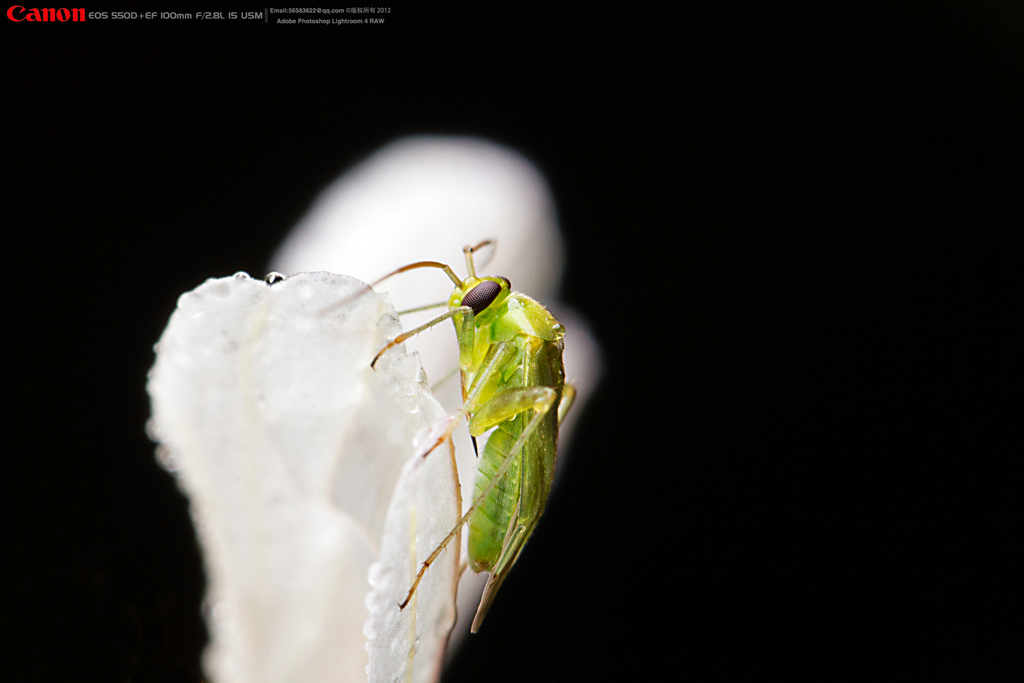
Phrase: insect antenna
(469,251)
(423,264)
(363,290)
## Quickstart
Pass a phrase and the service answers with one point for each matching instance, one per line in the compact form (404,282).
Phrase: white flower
(297,456)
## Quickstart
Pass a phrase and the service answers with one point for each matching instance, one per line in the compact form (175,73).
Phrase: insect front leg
(464,310)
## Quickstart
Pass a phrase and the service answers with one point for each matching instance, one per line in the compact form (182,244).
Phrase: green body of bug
(510,359)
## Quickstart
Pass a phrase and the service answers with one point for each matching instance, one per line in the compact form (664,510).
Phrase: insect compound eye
(481,296)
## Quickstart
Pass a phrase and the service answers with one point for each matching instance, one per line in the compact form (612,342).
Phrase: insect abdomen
(489,522)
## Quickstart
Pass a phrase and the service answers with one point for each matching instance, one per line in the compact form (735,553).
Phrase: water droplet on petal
(153,431)
(166,459)
(273,277)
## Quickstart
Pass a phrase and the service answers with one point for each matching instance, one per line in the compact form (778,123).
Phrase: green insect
(510,363)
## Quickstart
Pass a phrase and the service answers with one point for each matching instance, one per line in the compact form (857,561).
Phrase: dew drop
(153,431)
(166,459)
(241,275)
(273,277)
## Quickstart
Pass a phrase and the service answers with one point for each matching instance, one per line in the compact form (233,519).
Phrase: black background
(791,230)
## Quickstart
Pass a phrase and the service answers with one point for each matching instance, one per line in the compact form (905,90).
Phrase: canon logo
(19,13)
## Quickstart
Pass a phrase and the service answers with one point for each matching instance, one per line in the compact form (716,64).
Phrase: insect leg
(497,356)
(427,307)
(542,409)
(366,288)
(465,310)
(439,383)
(509,403)
(433,556)
(533,486)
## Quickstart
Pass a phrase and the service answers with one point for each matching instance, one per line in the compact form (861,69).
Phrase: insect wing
(515,541)
(543,367)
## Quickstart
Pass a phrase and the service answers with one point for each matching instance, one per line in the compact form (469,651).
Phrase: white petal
(409,645)
(289,447)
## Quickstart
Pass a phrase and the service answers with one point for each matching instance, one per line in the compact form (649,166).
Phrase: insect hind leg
(542,403)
